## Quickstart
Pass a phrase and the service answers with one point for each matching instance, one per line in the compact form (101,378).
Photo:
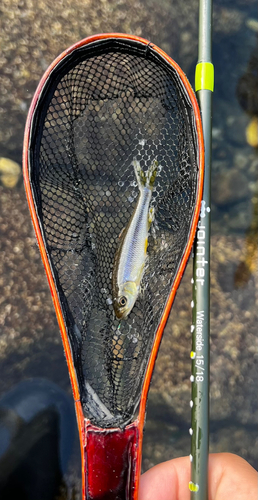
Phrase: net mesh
(99,111)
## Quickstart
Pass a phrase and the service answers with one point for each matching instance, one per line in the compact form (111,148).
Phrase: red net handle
(111,460)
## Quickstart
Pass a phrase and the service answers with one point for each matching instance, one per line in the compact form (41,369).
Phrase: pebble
(236,125)
(229,187)
(252,24)
(10,172)
(239,216)
(252,132)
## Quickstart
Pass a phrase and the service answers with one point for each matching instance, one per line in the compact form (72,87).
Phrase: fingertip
(166,481)
(231,475)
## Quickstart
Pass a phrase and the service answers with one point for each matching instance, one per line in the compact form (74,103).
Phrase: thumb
(229,477)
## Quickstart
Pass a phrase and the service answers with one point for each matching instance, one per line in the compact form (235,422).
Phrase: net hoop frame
(82,421)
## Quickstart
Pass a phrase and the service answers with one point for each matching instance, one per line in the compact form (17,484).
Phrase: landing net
(106,104)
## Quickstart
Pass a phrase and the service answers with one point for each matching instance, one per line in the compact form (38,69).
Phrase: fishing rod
(204,83)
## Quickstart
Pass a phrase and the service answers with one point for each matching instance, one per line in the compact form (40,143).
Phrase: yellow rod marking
(193,487)
(204,76)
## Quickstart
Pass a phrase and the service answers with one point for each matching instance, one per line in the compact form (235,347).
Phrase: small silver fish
(131,253)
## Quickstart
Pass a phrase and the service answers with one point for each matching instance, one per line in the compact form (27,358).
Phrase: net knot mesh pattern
(102,107)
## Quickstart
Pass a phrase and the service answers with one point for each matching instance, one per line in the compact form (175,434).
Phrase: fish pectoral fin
(145,247)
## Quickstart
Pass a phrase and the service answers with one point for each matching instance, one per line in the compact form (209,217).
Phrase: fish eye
(122,301)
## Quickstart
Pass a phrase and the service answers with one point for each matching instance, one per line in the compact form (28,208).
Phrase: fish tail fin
(145,179)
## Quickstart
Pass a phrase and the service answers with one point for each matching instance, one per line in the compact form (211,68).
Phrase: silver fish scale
(113,105)
(137,234)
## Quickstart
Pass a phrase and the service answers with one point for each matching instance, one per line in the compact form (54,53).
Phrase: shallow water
(33,35)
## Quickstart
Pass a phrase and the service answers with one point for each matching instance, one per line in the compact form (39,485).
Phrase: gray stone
(229,187)
(10,172)
(240,215)
(235,129)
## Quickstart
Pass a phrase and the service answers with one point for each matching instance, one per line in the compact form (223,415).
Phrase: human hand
(230,477)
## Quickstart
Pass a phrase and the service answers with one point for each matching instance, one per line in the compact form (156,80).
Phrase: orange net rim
(29,124)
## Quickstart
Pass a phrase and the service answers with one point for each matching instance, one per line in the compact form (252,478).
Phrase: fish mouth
(121,313)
